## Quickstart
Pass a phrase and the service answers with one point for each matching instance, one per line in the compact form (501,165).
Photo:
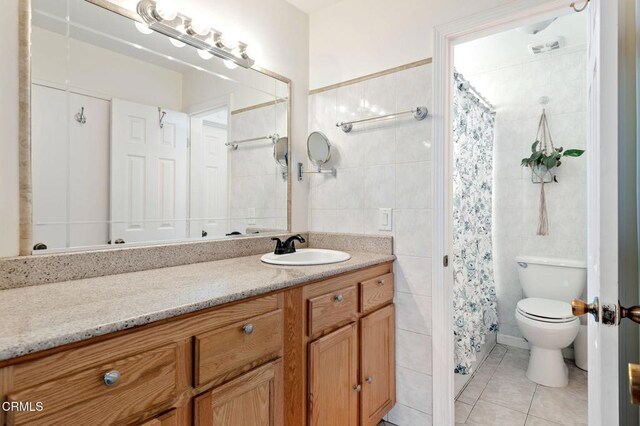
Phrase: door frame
(513,15)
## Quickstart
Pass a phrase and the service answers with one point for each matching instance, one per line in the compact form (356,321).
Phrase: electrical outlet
(385,219)
(251,219)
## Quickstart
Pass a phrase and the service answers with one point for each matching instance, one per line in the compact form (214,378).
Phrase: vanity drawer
(376,292)
(332,309)
(141,383)
(227,352)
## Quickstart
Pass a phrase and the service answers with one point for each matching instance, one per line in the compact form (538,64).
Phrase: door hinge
(445,260)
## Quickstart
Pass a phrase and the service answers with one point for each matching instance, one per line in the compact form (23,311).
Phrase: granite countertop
(36,318)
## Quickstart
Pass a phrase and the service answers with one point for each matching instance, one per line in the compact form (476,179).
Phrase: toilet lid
(546,309)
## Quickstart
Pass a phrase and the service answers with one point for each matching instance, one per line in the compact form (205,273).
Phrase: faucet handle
(279,246)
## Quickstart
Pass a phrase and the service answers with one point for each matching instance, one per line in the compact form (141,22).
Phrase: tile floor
(500,394)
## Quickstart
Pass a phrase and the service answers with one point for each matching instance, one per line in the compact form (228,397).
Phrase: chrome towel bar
(234,144)
(419,113)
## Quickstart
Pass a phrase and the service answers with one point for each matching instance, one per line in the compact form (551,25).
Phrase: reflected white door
(209,188)
(70,169)
(148,173)
(88,171)
(49,160)
(602,195)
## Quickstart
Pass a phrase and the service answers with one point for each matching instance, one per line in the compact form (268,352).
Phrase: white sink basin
(306,257)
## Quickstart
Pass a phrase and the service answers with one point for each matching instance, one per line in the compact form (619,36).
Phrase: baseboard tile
(516,342)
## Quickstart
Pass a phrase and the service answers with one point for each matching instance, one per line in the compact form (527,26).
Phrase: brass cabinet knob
(357,388)
(369,379)
(634,383)
(338,298)
(381,282)
(247,329)
(580,307)
(111,378)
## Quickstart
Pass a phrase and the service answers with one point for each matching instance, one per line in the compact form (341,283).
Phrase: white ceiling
(310,6)
(510,46)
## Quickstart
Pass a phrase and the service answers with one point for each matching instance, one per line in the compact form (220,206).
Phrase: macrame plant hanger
(546,146)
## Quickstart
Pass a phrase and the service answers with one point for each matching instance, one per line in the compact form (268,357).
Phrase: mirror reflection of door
(70,168)
(209,187)
(148,173)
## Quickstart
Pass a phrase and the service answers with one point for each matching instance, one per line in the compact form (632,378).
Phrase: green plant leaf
(534,146)
(573,152)
(550,162)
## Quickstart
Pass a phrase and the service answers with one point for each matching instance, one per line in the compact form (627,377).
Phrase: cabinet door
(377,368)
(166,419)
(253,399)
(333,378)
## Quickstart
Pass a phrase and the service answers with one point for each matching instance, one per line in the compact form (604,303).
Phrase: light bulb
(230,42)
(165,10)
(143,28)
(199,27)
(204,54)
(230,64)
(176,42)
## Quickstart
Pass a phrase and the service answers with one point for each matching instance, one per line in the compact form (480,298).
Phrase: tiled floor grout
(487,403)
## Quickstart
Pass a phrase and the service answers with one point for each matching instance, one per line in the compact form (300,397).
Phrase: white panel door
(209,179)
(89,171)
(148,173)
(602,195)
(49,160)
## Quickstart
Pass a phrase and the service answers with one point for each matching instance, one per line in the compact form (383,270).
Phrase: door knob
(633,313)
(580,307)
(634,383)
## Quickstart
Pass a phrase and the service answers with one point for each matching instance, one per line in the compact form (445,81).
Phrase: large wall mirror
(137,138)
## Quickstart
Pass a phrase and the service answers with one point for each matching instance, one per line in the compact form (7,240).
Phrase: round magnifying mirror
(281,151)
(318,148)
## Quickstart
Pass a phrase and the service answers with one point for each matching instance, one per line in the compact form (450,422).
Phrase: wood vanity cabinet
(253,399)
(317,354)
(345,346)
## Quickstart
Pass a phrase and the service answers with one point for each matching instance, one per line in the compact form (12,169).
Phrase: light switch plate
(385,219)
(251,219)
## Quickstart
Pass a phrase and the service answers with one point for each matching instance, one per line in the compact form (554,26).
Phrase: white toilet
(544,315)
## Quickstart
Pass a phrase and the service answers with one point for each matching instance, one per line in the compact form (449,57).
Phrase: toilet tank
(552,278)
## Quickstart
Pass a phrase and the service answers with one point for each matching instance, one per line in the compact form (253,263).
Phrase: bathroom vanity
(290,346)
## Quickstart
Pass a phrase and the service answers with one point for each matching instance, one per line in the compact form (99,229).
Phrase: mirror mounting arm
(332,171)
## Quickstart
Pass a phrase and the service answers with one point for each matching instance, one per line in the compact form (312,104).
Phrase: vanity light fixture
(143,28)
(159,16)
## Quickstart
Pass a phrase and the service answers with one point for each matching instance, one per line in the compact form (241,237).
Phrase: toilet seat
(546,310)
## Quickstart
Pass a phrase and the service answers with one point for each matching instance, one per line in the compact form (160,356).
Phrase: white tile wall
(255,180)
(515,91)
(386,165)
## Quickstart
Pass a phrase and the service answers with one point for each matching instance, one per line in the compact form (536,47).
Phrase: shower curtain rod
(474,91)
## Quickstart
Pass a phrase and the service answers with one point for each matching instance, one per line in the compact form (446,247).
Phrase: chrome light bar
(180,28)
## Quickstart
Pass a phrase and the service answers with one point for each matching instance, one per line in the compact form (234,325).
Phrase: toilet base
(547,367)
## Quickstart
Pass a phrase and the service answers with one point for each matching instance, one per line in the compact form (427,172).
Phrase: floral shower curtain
(474,297)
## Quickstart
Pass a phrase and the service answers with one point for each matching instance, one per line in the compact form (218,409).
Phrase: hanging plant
(544,159)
